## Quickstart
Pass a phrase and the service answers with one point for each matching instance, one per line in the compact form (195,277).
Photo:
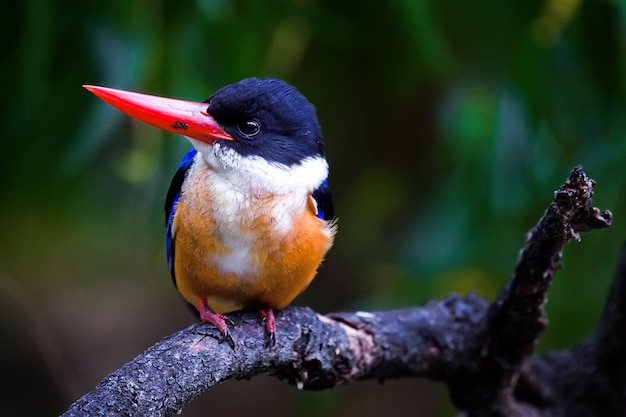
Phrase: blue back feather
(173,194)
(324,201)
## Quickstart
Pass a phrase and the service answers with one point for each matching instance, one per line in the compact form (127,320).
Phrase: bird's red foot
(267,314)
(218,320)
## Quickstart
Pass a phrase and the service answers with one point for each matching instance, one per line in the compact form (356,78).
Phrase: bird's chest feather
(233,230)
(237,249)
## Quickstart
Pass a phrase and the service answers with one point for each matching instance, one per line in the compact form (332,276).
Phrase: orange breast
(247,261)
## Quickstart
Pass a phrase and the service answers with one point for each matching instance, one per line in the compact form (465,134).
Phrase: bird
(249,214)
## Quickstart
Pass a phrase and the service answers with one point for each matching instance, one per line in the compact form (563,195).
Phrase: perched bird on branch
(249,215)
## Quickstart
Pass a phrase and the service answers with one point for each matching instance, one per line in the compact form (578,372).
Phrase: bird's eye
(249,127)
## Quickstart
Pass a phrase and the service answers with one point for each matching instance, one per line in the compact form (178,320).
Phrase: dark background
(448,126)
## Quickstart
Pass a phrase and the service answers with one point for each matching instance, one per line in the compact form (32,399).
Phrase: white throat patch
(258,176)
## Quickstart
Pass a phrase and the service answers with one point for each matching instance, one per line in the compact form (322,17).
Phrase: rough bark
(482,351)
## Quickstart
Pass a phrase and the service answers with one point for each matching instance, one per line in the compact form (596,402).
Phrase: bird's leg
(218,320)
(267,314)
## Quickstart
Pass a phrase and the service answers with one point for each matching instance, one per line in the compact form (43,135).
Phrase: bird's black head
(267,118)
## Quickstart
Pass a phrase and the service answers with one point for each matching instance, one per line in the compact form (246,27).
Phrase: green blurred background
(448,126)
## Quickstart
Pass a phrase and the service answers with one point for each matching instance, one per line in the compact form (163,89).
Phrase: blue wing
(324,201)
(173,194)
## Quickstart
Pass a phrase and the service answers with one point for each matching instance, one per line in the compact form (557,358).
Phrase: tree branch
(516,319)
(481,351)
(591,379)
(312,352)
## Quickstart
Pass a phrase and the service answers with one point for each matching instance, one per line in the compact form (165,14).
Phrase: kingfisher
(249,213)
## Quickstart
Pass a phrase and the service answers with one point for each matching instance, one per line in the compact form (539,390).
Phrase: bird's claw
(270,342)
(227,337)
(267,315)
(218,320)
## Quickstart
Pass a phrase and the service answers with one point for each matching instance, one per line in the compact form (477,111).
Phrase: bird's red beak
(178,116)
